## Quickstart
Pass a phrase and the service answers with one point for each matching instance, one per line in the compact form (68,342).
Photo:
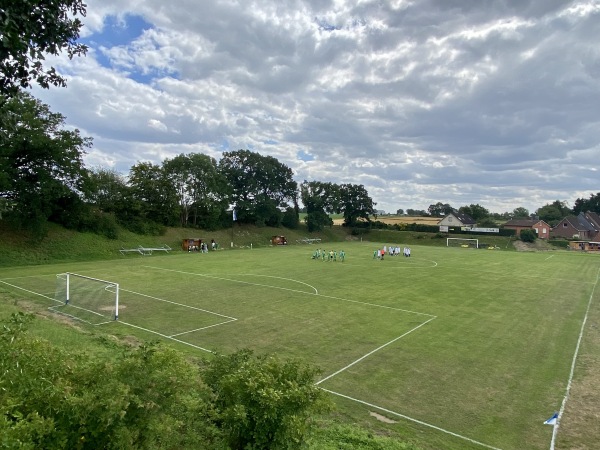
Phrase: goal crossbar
(88,299)
(459,240)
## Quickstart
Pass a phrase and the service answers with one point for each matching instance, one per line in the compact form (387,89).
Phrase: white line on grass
(281,278)
(31,292)
(234,281)
(375,305)
(420,422)
(373,351)
(292,290)
(179,304)
(165,336)
(568,390)
(203,328)
(551,256)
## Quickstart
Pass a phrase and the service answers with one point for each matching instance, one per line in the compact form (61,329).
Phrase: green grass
(477,343)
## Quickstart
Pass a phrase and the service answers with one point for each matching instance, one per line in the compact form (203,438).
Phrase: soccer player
(342,255)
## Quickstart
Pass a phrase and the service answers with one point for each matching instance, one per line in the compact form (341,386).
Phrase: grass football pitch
(472,348)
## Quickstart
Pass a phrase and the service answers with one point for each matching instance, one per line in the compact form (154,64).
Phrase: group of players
(393,251)
(331,255)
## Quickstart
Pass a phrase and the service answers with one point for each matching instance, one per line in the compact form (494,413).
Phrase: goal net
(87,299)
(462,242)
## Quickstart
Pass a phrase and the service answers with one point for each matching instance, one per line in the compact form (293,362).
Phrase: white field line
(30,276)
(165,336)
(372,351)
(203,328)
(179,304)
(551,256)
(568,389)
(375,305)
(31,292)
(293,290)
(233,281)
(281,278)
(420,422)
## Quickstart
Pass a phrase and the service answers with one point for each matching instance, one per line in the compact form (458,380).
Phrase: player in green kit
(342,255)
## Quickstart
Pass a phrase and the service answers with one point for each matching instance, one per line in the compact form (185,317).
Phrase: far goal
(90,300)
(462,242)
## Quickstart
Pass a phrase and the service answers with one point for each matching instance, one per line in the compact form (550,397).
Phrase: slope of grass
(487,336)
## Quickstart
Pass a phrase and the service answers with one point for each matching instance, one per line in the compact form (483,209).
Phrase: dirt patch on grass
(536,246)
(381,418)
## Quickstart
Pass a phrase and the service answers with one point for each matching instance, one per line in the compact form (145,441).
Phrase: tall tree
(260,185)
(40,162)
(520,213)
(590,204)
(439,209)
(476,211)
(30,30)
(156,193)
(355,203)
(320,199)
(553,212)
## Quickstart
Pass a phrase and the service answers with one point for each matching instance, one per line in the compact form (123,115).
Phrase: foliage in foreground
(145,398)
(149,398)
(264,402)
(350,437)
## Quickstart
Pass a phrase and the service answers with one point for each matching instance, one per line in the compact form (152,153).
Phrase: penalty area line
(164,336)
(373,351)
(203,328)
(411,419)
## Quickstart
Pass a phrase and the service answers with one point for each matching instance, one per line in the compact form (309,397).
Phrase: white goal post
(88,299)
(462,242)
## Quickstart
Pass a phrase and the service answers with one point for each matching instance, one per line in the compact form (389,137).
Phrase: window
(565,225)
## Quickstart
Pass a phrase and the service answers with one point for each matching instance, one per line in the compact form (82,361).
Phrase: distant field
(461,348)
(399,219)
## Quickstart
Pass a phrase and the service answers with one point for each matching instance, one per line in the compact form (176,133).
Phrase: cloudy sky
(495,102)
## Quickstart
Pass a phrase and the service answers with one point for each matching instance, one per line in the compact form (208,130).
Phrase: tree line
(43,178)
(552,213)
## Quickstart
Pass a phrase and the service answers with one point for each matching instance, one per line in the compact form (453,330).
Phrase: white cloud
(420,101)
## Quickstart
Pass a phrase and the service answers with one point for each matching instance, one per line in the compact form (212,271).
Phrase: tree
(263,402)
(591,204)
(477,212)
(41,163)
(439,209)
(528,235)
(400,212)
(149,397)
(107,190)
(208,190)
(520,213)
(31,29)
(260,185)
(553,212)
(355,203)
(155,192)
(320,199)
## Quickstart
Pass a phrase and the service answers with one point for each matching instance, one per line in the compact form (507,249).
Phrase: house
(584,227)
(456,220)
(541,228)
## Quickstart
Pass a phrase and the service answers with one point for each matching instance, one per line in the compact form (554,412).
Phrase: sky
(489,102)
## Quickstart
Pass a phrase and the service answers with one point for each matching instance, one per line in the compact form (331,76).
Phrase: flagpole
(232,224)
